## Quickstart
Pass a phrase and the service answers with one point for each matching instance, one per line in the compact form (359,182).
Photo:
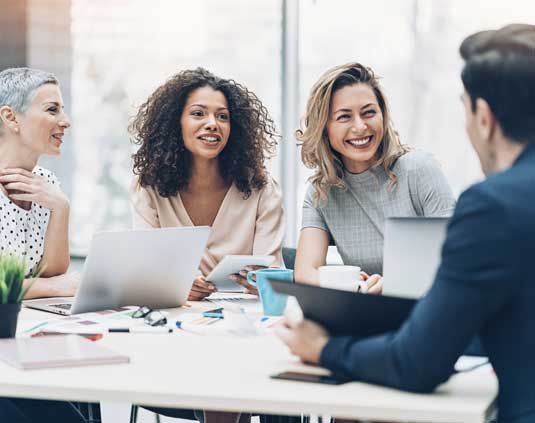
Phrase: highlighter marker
(199,328)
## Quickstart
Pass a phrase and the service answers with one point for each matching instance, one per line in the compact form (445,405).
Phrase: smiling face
(42,125)
(205,123)
(355,126)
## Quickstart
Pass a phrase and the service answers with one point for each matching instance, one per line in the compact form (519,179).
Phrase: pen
(200,329)
(142,329)
(36,327)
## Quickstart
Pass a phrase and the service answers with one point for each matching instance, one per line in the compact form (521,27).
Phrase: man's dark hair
(500,68)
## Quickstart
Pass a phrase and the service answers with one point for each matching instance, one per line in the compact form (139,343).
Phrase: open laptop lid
(348,313)
(153,267)
(411,257)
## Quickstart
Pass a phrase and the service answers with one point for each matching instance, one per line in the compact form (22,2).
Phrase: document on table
(56,351)
(94,322)
(248,302)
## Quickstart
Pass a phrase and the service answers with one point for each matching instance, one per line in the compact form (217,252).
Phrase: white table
(186,370)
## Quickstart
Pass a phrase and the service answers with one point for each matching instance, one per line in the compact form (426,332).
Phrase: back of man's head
(500,68)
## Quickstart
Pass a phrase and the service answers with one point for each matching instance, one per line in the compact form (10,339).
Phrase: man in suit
(485,282)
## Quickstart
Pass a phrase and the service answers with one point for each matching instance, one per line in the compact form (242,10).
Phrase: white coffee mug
(346,278)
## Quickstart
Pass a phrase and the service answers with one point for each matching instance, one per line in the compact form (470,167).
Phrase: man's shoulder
(505,201)
(514,188)
(490,192)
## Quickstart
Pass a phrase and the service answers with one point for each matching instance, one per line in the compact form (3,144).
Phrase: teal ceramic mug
(273,303)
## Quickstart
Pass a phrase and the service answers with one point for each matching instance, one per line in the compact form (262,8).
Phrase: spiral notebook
(56,351)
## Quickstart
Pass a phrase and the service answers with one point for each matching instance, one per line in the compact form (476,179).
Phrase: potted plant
(12,291)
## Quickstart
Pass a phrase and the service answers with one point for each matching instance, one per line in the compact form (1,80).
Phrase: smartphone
(307,377)
(216,312)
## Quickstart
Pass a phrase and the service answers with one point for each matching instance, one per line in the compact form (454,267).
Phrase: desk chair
(288,256)
(90,411)
(188,415)
(134,409)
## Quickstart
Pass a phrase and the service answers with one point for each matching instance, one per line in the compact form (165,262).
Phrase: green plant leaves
(12,270)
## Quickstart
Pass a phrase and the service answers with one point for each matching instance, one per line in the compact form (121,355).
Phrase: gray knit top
(355,217)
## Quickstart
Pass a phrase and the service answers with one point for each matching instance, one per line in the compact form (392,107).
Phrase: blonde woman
(363,174)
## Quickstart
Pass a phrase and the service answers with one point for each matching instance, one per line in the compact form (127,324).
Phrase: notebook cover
(348,313)
(56,351)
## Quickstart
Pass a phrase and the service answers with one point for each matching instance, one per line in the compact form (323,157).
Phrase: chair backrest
(77,262)
(288,255)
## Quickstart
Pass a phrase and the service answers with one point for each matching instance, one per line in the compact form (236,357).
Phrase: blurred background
(111,54)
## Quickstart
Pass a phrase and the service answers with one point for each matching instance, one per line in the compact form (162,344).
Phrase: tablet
(348,313)
(231,264)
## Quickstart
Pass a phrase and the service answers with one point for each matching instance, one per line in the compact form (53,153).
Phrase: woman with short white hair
(34,212)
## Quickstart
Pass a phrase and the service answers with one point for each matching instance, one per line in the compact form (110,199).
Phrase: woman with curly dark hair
(203,143)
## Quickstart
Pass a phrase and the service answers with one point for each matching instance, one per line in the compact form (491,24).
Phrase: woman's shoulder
(416,160)
(140,195)
(47,174)
(312,199)
(271,189)
(310,192)
(271,185)
(136,188)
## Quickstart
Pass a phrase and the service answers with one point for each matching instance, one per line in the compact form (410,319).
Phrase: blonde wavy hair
(317,152)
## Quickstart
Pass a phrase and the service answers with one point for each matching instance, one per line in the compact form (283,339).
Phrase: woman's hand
(241,278)
(201,289)
(24,186)
(373,282)
(64,285)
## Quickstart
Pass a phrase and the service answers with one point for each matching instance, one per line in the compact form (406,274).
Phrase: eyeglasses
(150,317)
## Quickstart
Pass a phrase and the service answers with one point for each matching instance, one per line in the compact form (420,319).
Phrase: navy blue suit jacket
(484,286)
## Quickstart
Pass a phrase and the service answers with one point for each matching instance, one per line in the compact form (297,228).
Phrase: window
(413,45)
(122,51)
(116,53)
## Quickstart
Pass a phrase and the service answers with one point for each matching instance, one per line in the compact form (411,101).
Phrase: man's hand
(306,339)
(373,282)
(23,186)
(201,289)
(241,279)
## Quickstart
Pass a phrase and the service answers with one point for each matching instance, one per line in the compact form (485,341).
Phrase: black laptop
(348,313)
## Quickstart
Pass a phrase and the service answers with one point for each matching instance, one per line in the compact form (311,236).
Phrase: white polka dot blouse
(22,232)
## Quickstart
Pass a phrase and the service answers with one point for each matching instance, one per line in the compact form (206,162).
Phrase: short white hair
(18,85)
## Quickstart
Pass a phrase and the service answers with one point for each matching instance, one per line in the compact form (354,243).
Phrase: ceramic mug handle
(250,280)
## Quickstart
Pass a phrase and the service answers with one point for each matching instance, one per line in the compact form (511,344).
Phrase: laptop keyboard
(64,306)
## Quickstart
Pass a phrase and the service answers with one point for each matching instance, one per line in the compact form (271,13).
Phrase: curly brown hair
(163,162)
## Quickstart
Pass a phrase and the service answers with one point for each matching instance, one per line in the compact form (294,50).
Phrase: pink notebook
(56,351)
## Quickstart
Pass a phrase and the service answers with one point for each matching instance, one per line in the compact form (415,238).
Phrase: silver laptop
(155,268)
(412,250)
